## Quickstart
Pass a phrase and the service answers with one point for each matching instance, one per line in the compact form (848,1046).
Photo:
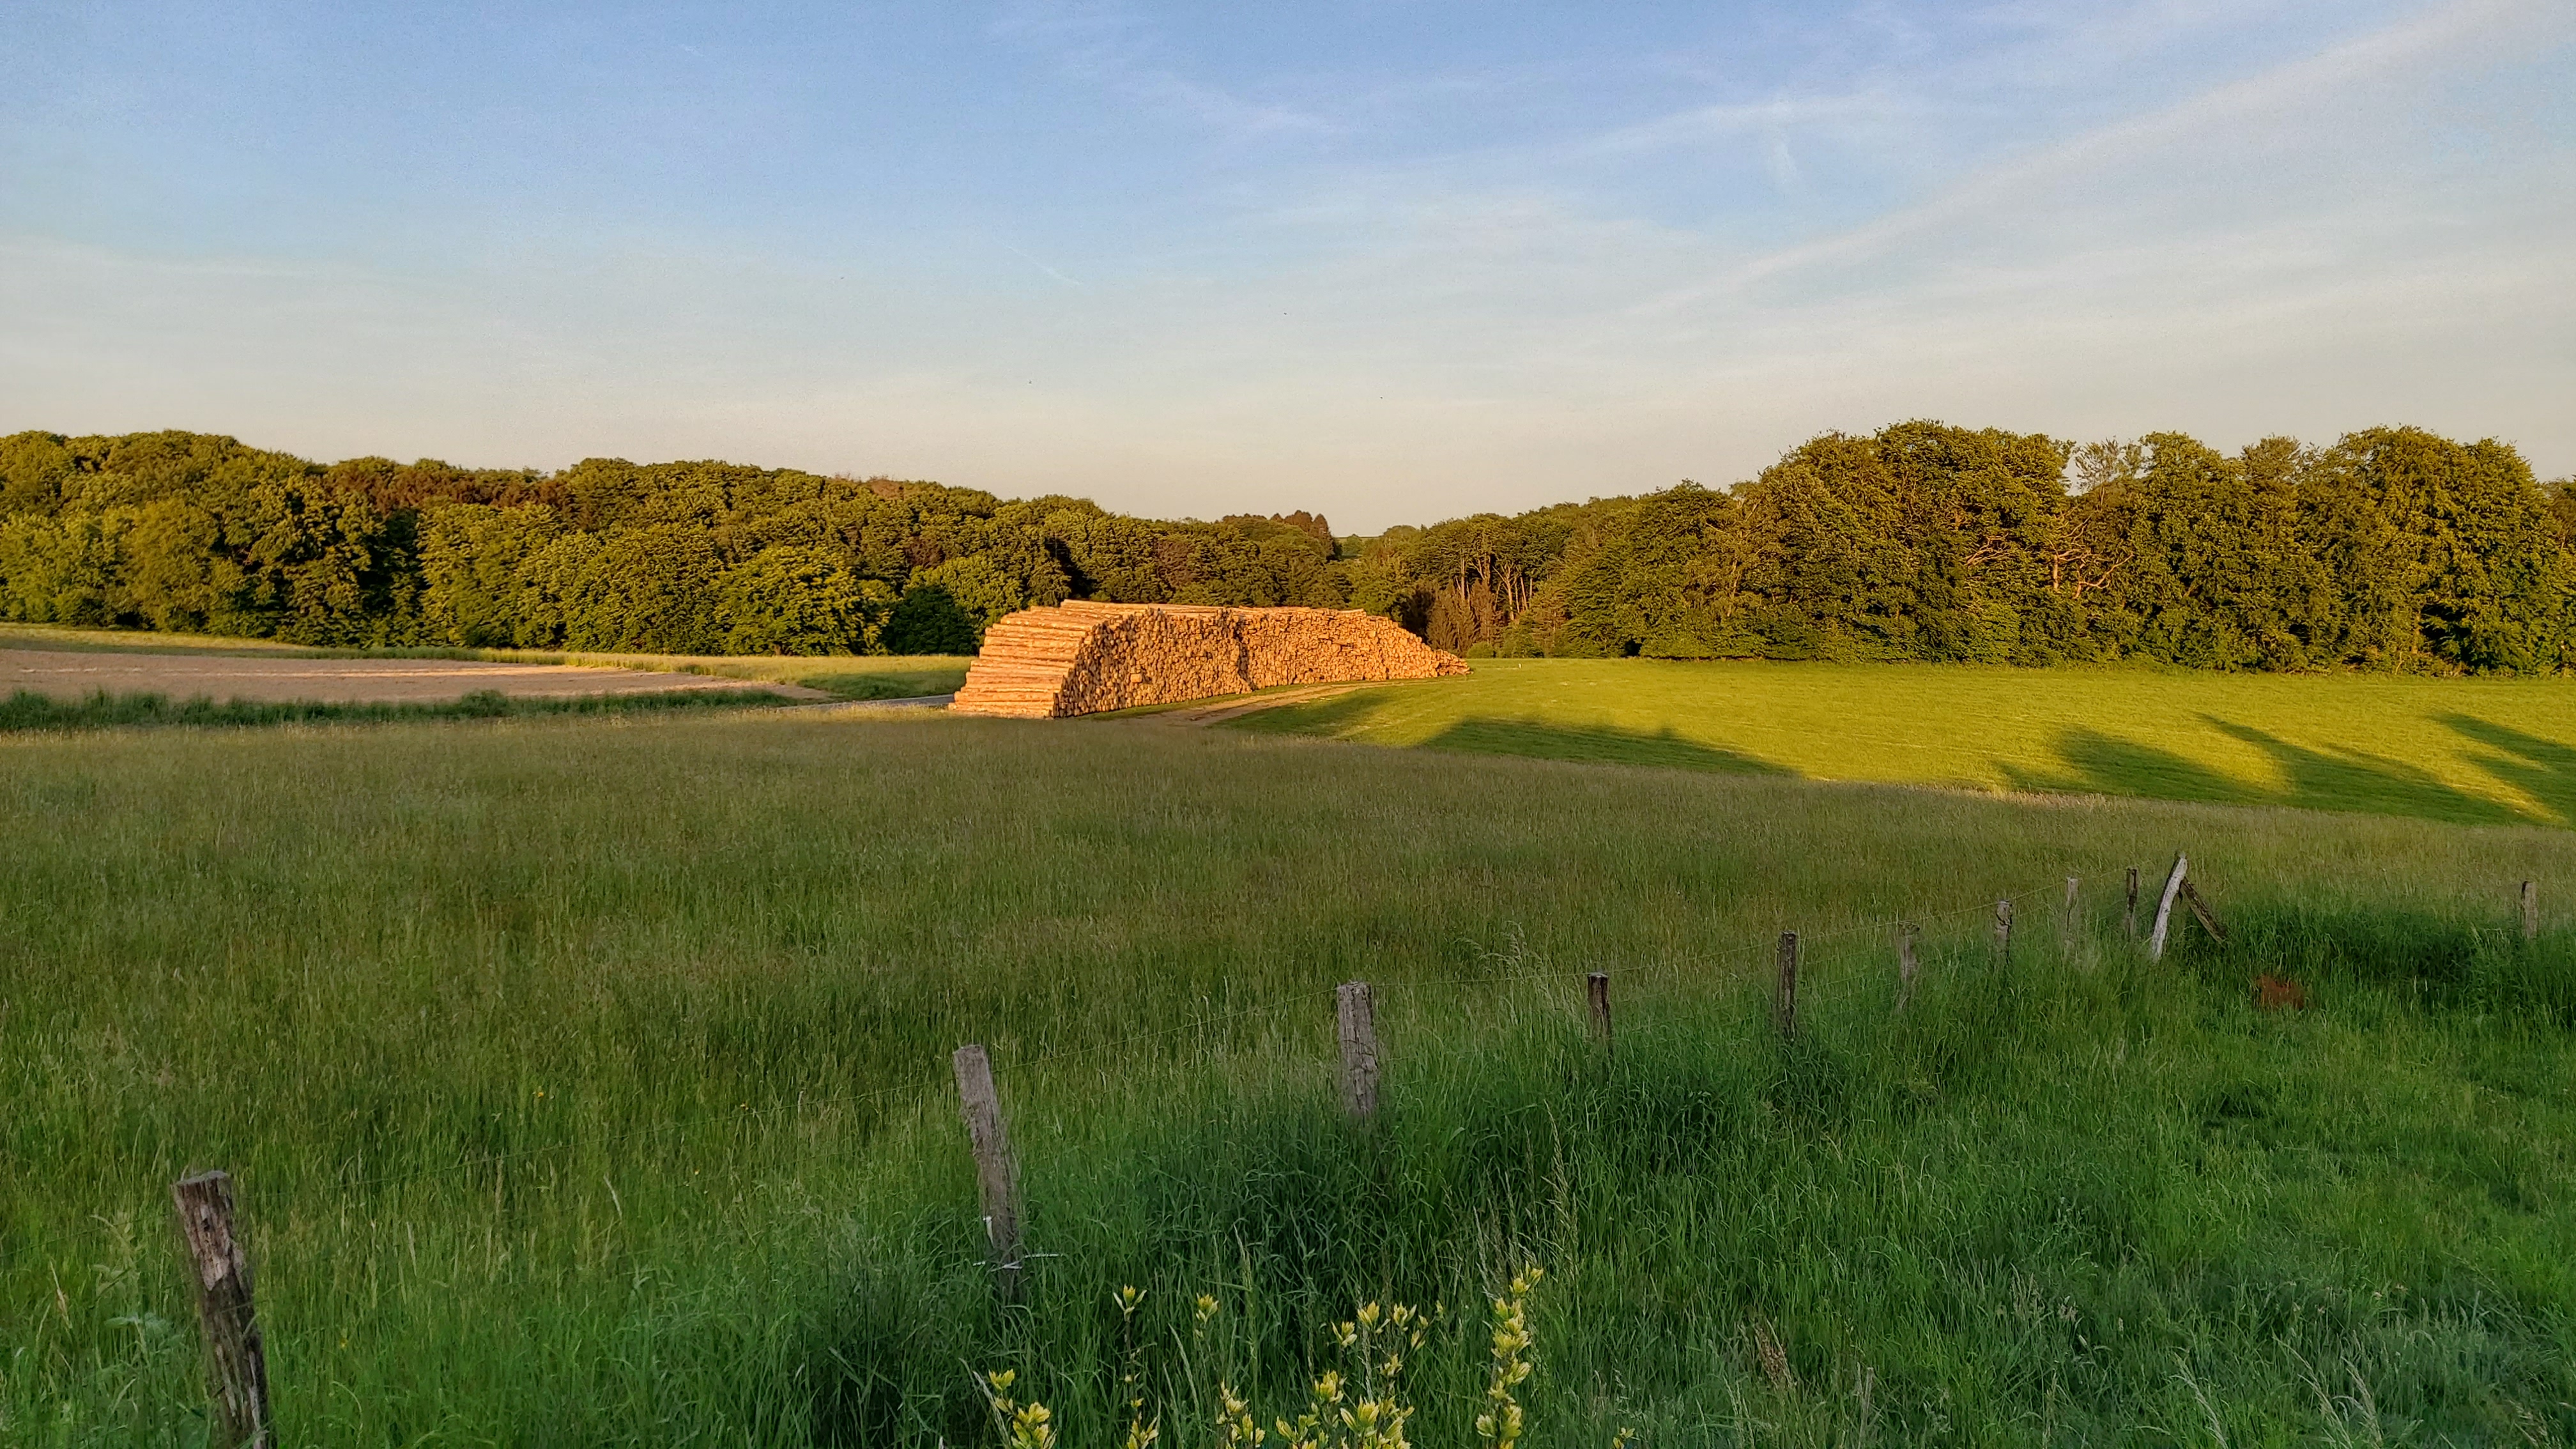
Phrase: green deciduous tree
(929,620)
(802,599)
(2391,548)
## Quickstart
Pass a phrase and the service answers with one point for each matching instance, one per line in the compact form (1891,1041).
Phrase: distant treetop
(2391,548)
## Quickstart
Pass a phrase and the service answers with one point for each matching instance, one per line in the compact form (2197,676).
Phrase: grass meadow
(2467,750)
(586,1082)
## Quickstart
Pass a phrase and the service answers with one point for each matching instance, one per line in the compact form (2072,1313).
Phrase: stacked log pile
(1082,657)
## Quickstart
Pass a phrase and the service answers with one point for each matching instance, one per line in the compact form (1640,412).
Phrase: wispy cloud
(1114,48)
(1024,255)
(1733,121)
(2257,100)
(1518,272)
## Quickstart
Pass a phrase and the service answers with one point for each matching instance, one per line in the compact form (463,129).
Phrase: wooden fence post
(1358,1014)
(236,1364)
(2129,917)
(2066,928)
(2003,929)
(997,1174)
(2200,908)
(2530,910)
(2164,909)
(1906,966)
(1596,988)
(1784,1008)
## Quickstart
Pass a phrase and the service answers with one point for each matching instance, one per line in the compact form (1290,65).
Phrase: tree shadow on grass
(1339,715)
(2101,764)
(2543,769)
(1347,716)
(1595,744)
(2347,780)
(2355,780)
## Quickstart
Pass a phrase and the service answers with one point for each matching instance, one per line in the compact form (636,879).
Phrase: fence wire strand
(1712,966)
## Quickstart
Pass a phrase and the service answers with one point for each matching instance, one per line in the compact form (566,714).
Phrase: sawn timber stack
(1081,657)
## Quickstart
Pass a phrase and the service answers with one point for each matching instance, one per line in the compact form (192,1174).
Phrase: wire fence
(1713,966)
(235,1358)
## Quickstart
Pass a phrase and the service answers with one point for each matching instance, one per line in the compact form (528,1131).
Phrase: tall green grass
(586,1083)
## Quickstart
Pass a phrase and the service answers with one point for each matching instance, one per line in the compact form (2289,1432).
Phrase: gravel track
(69,675)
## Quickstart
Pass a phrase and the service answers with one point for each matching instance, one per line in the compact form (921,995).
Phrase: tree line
(2391,548)
(200,534)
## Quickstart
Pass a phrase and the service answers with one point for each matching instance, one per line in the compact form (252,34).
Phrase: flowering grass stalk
(1023,1426)
(1501,1423)
(1141,1431)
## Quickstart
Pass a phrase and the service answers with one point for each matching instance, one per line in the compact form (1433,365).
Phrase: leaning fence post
(1906,965)
(236,1364)
(2531,910)
(1785,1007)
(2129,917)
(1358,1014)
(2003,929)
(2164,909)
(2200,908)
(997,1175)
(1596,988)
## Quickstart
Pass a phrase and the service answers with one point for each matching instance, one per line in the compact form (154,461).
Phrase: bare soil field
(67,674)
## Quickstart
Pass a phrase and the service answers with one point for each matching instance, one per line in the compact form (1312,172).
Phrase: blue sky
(1394,260)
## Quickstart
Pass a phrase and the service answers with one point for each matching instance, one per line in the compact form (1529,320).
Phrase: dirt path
(70,675)
(1219,711)
(863,706)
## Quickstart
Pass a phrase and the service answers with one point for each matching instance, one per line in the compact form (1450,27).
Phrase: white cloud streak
(1116,49)
(2248,103)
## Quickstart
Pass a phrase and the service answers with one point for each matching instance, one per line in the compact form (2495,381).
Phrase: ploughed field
(586,1082)
(2469,750)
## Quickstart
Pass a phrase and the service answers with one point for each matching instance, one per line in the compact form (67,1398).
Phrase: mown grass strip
(2470,751)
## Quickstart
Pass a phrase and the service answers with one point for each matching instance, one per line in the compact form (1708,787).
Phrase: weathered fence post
(2164,909)
(2530,910)
(2066,928)
(2003,929)
(1784,1008)
(2129,917)
(236,1364)
(1596,988)
(997,1174)
(1906,966)
(2200,908)
(1358,1014)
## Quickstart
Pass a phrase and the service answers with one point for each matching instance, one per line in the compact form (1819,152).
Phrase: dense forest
(2389,549)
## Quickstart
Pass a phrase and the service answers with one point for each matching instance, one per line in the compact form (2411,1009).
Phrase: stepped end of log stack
(1082,657)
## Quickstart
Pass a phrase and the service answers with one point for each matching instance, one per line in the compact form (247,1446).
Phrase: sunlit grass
(2446,749)
(80,640)
(587,1084)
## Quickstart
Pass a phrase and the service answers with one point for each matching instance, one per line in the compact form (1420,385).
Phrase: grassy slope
(585,1080)
(2464,750)
(844,675)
